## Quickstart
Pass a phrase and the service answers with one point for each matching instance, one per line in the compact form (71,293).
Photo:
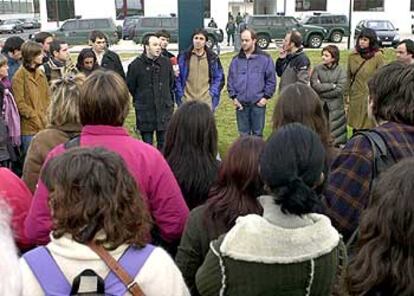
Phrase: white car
(11,26)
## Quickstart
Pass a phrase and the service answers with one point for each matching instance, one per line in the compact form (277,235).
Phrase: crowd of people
(87,208)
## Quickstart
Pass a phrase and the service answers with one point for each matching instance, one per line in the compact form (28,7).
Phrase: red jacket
(15,192)
(146,164)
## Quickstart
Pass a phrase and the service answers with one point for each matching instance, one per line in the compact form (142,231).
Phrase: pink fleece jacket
(152,173)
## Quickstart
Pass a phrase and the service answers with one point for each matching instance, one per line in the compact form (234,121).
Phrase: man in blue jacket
(201,75)
(251,83)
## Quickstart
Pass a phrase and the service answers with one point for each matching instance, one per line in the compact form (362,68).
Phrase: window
(277,21)
(69,26)
(149,22)
(289,21)
(327,21)
(340,19)
(168,23)
(312,21)
(380,26)
(412,5)
(369,5)
(16,6)
(307,5)
(126,8)
(60,10)
(207,8)
(259,21)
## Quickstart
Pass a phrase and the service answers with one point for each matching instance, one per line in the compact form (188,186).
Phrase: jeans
(148,137)
(26,143)
(251,120)
(230,37)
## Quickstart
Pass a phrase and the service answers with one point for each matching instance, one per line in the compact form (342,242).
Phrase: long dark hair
(291,165)
(191,149)
(385,258)
(300,103)
(84,54)
(369,52)
(238,184)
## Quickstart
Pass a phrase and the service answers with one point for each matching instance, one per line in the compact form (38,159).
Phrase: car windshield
(305,19)
(9,22)
(381,26)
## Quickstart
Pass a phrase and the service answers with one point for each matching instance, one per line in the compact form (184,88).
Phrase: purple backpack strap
(47,272)
(132,261)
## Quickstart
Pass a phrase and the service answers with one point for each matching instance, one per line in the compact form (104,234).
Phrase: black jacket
(294,68)
(111,61)
(151,85)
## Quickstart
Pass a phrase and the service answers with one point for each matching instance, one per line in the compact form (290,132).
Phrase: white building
(400,13)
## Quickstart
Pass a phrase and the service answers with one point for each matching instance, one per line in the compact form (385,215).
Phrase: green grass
(225,114)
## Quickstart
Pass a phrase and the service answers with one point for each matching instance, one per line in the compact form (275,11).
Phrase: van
(76,31)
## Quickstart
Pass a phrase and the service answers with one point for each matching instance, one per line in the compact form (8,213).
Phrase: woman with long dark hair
(300,103)
(288,250)
(233,195)
(384,263)
(191,149)
(362,64)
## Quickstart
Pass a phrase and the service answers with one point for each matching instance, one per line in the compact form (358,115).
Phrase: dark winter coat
(330,84)
(151,84)
(294,68)
(111,61)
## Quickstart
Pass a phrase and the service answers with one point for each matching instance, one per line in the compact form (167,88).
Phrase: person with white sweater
(97,213)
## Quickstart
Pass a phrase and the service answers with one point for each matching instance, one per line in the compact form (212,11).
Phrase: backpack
(382,160)
(53,282)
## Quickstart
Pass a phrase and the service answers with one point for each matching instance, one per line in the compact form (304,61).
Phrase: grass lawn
(225,114)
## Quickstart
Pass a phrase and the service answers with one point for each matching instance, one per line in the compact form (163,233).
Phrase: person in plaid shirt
(391,104)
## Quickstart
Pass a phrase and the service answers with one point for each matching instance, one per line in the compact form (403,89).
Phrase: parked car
(129,22)
(76,31)
(270,27)
(150,25)
(386,32)
(336,24)
(11,26)
(30,23)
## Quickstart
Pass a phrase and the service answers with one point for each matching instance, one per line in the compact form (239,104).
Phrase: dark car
(150,25)
(336,24)
(129,22)
(31,23)
(275,27)
(386,32)
(11,26)
(76,31)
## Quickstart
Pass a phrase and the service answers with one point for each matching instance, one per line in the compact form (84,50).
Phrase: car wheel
(263,41)
(336,37)
(315,41)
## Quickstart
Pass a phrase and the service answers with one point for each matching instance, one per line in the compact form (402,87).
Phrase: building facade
(400,13)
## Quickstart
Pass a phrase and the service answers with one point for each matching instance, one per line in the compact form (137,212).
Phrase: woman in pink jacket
(104,105)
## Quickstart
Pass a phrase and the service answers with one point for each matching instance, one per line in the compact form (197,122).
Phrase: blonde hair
(3,60)
(64,105)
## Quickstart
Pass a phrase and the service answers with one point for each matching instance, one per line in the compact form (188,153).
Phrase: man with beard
(201,74)
(150,81)
(292,65)
(251,83)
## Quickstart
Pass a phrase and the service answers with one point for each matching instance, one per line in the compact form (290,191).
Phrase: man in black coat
(106,58)
(150,81)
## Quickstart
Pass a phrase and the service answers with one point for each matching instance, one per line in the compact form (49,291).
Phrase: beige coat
(358,92)
(32,95)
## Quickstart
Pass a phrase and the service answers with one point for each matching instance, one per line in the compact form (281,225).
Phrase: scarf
(366,53)
(11,114)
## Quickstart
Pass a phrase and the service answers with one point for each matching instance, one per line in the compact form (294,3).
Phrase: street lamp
(350,23)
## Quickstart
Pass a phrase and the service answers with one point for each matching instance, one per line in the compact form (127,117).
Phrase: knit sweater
(277,254)
(159,275)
